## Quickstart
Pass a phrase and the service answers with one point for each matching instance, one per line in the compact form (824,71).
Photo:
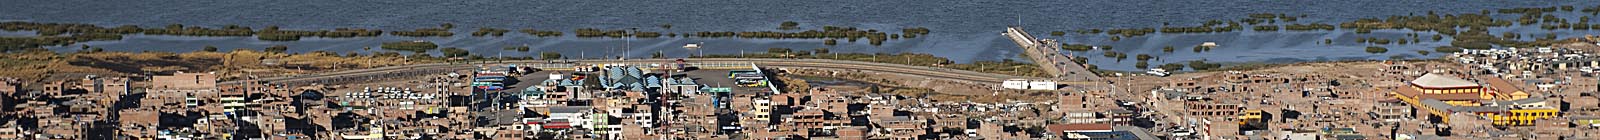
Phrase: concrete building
(1444,96)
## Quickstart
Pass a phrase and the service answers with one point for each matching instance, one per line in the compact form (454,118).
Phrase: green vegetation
(454,52)
(1143,57)
(1199,48)
(425,32)
(1141,65)
(1115,54)
(1266,28)
(272,33)
(516,48)
(788,25)
(490,31)
(9,44)
(1380,41)
(1171,66)
(1446,25)
(1058,33)
(828,32)
(1201,65)
(1447,49)
(1308,27)
(209,48)
(914,32)
(591,32)
(779,50)
(276,49)
(1376,49)
(549,55)
(413,46)
(1208,27)
(1077,47)
(830,42)
(1131,32)
(1167,49)
(540,33)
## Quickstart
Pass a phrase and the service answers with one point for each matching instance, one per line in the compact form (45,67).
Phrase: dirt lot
(49,66)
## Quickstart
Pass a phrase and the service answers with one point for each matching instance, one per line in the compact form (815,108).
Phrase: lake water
(964,31)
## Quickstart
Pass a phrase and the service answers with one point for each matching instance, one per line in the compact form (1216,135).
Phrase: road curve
(435,68)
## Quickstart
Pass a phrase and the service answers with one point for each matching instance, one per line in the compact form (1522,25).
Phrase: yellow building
(1504,104)
(1503,90)
(1252,117)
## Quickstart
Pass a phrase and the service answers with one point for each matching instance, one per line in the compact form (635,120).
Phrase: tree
(657,55)
(821,50)
(549,55)
(454,52)
(1168,49)
(1142,65)
(209,48)
(1143,57)
(277,49)
(1058,33)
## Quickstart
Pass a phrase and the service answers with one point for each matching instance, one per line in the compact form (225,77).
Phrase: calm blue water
(962,30)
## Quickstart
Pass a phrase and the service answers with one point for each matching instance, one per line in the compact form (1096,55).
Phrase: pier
(1047,54)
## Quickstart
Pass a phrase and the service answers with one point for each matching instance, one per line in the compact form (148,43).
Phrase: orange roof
(1501,86)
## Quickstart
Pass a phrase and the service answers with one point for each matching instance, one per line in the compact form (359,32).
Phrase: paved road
(393,72)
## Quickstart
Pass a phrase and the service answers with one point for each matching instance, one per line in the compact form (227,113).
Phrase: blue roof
(652,81)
